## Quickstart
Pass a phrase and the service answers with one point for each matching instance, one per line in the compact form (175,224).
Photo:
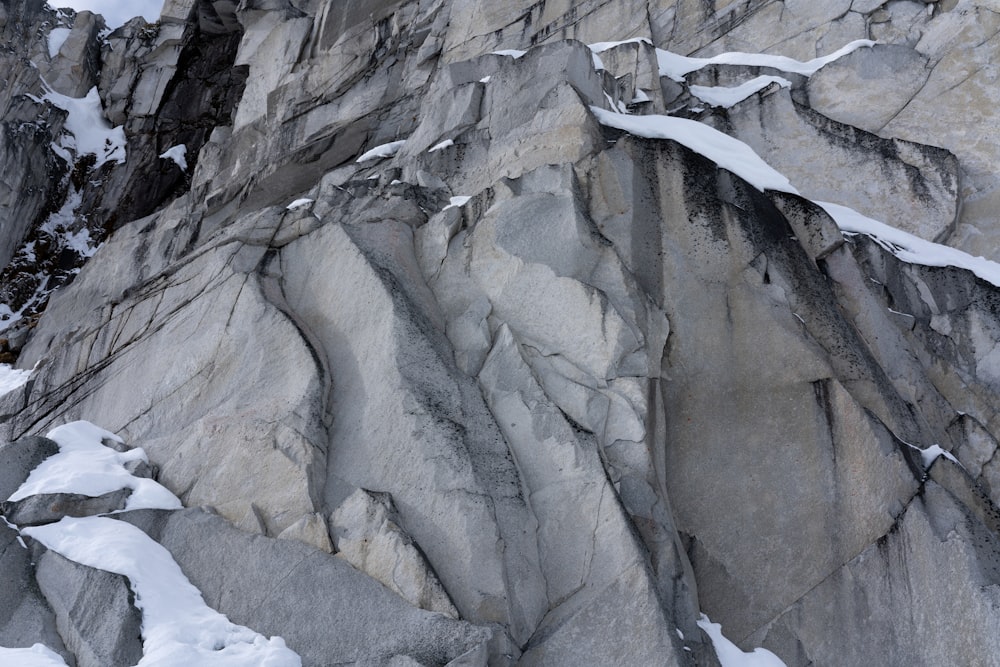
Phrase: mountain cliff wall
(513,333)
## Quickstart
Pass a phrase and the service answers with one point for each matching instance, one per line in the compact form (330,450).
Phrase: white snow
(730,655)
(600,47)
(60,223)
(512,53)
(676,66)
(89,131)
(178,628)
(441,146)
(725,151)
(485,79)
(85,466)
(598,63)
(721,96)
(931,454)
(38,655)
(457,202)
(81,242)
(640,96)
(382,151)
(57,37)
(299,203)
(178,154)
(11,378)
(910,248)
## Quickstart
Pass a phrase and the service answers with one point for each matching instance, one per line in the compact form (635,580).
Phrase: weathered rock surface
(25,617)
(326,611)
(95,611)
(517,388)
(367,535)
(50,507)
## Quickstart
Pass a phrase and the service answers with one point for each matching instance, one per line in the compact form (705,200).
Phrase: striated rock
(141,331)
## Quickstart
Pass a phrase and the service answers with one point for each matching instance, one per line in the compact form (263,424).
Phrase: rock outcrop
(468,336)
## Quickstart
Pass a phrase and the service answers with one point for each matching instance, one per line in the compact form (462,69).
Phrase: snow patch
(85,466)
(457,202)
(59,225)
(382,151)
(11,378)
(600,47)
(640,96)
(720,96)
(730,655)
(441,146)
(178,154)
(89,132)
(299,203)
(725,151)
(57,37)
(38,655)
(676,66)
(178,628)
(931,454)
(908,247)
(511,53)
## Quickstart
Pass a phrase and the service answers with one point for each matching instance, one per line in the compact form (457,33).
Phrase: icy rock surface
(508,332)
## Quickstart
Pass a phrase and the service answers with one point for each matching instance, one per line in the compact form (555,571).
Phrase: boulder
(95,611)
(19,458)
(25,616)
(50,507)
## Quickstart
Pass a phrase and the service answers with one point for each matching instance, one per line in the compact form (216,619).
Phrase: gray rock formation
(450,372)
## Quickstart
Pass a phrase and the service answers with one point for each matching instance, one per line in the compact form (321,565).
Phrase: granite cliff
(536,333)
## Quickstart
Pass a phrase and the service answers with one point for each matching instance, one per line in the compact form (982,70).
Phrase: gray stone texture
(25,616)
(50,507)
(552,422)
(94,610)
(328,612)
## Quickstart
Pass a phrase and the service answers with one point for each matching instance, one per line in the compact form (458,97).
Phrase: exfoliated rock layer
(479,333)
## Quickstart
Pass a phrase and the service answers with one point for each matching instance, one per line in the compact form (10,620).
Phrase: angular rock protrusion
(94,609)
(19,458)
(367,535)
(310,529)
(919,186)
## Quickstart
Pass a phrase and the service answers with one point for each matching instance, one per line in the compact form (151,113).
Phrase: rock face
(511,385)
